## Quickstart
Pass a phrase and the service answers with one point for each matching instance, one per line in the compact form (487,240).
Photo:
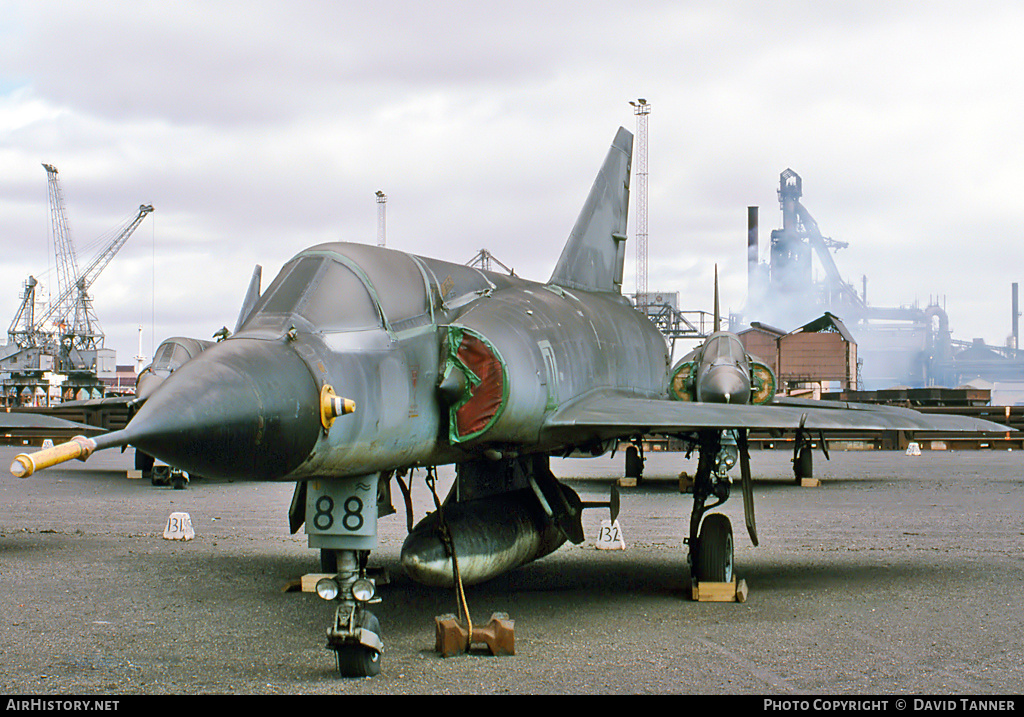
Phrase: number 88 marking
(324,518)
(353,512)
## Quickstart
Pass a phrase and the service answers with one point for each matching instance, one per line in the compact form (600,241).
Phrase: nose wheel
(355,659)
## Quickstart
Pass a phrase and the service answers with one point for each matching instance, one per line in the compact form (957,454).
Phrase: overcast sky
(258,129)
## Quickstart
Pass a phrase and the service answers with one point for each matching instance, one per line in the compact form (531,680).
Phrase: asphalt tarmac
(898,575)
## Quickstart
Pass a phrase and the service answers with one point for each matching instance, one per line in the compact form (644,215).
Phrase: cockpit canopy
(333,292)
(340,287)
(723,348)
(322,291)
(175,351)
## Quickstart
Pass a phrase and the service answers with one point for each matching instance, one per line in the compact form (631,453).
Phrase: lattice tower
(642,109)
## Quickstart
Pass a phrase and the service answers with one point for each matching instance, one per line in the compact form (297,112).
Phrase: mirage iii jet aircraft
(441,363)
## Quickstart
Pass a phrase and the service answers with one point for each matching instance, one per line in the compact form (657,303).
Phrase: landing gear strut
(710,541)
(711,538)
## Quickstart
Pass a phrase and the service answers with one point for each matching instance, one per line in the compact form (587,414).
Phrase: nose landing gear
(354,634)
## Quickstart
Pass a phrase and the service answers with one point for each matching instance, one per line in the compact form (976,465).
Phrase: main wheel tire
(634,464)
(803,466)
(715,549)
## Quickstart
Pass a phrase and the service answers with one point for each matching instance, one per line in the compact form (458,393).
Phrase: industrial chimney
(752,251)
(1016,318)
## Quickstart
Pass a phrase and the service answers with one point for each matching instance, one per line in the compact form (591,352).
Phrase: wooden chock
(735,591)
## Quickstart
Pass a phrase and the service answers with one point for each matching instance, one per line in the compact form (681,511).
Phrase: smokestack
(718,314)
(382,200)
(1016,317)
(752,251)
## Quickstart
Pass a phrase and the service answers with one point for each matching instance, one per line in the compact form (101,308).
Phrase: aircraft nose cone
(242,409)
(723,384)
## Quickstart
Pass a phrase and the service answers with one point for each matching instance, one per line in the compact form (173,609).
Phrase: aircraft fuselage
(507,351)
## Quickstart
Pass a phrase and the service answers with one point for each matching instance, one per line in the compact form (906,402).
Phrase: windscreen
(322,291)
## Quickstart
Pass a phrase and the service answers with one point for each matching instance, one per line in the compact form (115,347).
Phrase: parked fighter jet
(721,371)
(442,363)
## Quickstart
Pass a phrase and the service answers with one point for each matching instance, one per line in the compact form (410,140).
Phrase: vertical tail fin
(594,255)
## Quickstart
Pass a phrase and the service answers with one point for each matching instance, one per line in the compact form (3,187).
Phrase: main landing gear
(711,538)
(635,462)
(803,463)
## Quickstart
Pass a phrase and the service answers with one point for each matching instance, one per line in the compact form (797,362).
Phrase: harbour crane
(71,313)
(66,336)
